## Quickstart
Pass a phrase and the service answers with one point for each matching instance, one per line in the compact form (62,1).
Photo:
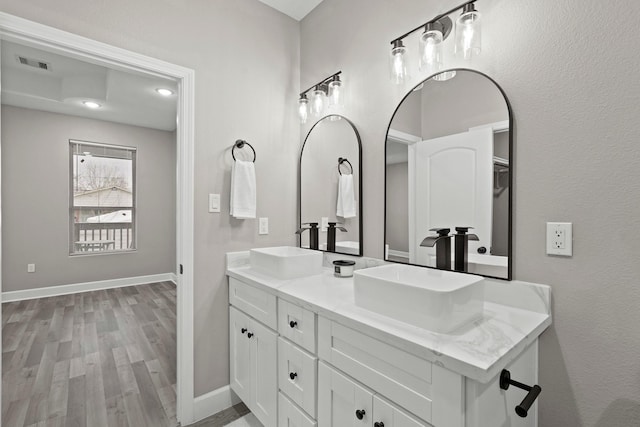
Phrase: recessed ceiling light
(164,92)
(91,104)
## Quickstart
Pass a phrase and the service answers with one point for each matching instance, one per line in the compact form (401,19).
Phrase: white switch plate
(31,268)
(214,203)
(325,224)
(264,226)
(559,238)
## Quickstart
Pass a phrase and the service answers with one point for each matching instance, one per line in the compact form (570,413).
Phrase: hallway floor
(102,358)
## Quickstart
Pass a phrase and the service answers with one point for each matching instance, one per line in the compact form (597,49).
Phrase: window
(102,198)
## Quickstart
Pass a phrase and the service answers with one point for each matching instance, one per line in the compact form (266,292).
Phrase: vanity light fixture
(91,104)
(164,91)
(328,92)
(435,32)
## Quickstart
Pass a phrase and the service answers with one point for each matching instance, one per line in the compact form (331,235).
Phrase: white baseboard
(399,254)
(213,402)
(53,291)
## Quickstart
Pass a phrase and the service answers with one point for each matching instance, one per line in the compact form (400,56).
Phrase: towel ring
(342,160)
(240,144)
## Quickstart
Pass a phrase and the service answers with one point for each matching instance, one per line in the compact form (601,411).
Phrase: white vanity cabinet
(297,363)
(253,357)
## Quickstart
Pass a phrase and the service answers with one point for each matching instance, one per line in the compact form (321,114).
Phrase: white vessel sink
(437,300)
(286,262)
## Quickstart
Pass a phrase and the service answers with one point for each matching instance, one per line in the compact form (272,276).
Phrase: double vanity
(394,346)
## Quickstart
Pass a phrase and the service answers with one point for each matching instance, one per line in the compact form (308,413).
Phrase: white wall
(35,200)
(570,71)
(246,61)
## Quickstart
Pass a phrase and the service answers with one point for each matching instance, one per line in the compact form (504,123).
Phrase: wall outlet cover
(559,238)
(31,268)
(264,226)
(324,225)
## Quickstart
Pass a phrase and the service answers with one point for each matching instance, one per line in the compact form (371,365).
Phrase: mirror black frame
(360,222)
(511,170)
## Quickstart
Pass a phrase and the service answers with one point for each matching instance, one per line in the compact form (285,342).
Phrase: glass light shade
(431,50)
(336,94)
(317,101)
(303,108)
(468,33)
(398,63)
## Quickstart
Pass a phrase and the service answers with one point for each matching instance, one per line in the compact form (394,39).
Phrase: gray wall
(246,59)
(574,93)
(35,200)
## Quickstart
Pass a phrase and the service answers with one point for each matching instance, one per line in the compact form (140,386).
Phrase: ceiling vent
(34,63)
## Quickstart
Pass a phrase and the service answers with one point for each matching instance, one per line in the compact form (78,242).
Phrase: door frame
(30,33)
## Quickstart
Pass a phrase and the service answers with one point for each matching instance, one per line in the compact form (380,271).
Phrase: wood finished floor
(102,358)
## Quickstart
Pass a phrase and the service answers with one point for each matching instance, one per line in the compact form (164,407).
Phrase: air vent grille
(34,63)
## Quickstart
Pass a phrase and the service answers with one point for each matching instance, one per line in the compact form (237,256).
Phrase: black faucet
(313,233)
(462,247)
(331,236)
(442,243)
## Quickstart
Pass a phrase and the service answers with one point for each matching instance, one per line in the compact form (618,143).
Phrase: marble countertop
(515,314)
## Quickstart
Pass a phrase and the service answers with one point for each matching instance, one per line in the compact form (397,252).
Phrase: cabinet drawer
(290,416)
(257,303)
(396,374)
(297,324)
(298,373)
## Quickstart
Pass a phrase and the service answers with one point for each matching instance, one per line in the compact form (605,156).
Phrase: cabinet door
(341,401)
(264,374)
(387,415)
(240,354)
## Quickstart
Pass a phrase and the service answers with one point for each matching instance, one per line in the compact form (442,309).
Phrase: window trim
(134,204)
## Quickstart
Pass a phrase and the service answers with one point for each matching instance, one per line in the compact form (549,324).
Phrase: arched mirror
(448,176)
(330,186)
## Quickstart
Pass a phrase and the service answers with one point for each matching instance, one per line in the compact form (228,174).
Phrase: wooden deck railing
(107,236)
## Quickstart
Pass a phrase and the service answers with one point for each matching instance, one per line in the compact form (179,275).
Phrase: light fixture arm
(437,18)
(325,81)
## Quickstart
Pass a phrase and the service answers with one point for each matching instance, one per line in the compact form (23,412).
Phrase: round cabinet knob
(249,335)
(360,414)
(378,424)
(293,375)
(293,324)
(243,330)
(482,250)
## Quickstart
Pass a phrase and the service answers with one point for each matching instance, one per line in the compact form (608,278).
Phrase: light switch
(264,226)
(214,203)
(31,268)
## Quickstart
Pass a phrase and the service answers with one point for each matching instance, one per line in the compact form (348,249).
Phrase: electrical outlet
(324,224)
(214,203)
(264,226)
(559,238)
(31,268)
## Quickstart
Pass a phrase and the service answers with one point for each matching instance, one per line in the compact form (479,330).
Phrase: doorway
(24,32)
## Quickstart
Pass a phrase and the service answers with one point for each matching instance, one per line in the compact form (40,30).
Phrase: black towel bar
(240,144)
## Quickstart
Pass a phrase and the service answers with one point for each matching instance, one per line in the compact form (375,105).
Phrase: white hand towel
(346,206)
(243,190)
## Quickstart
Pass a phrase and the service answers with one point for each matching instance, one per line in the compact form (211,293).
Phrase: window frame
(134,208)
